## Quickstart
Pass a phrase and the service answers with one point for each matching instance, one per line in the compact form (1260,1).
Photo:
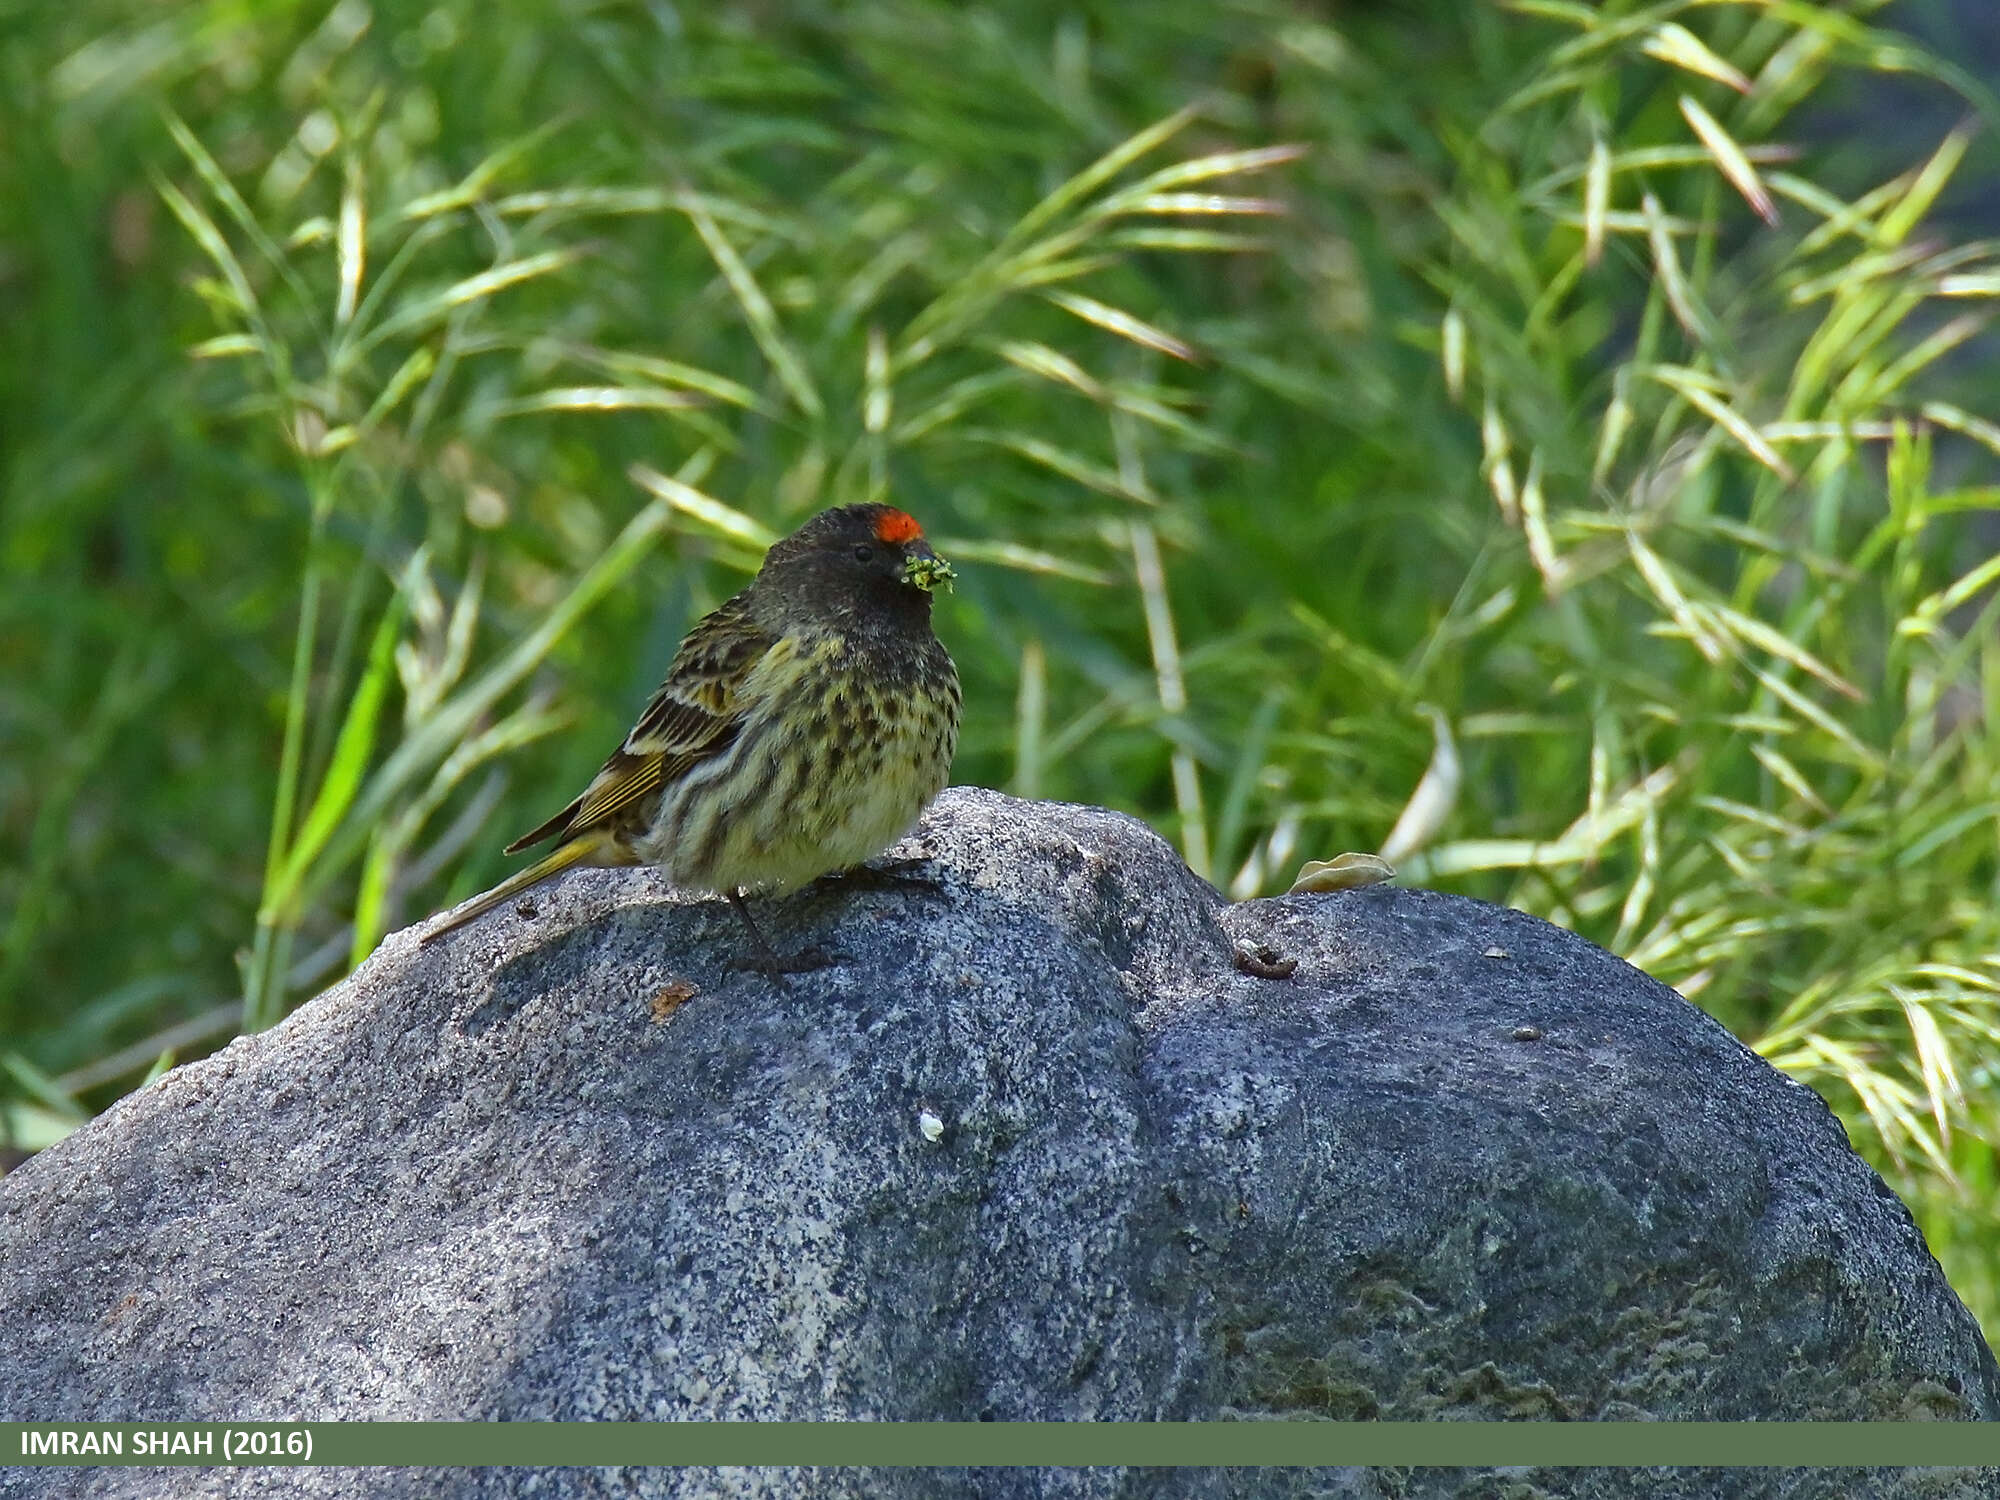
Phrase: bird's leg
(767,961)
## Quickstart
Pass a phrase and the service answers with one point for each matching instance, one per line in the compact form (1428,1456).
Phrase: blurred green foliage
(1503,435)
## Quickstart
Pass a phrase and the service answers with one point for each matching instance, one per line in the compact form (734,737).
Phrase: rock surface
(1041,1149)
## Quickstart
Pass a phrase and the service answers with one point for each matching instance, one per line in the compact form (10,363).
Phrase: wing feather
(696,713)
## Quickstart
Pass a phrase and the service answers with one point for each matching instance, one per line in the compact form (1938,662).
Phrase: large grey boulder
(1043,1148)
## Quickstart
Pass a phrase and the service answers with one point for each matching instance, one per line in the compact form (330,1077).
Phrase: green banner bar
(1009,1444)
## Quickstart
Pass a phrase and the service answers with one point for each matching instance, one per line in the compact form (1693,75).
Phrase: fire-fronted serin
(800,730)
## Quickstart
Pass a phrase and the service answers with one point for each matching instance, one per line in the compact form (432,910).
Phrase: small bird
(803,726)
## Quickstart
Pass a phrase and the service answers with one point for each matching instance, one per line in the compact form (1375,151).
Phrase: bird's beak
(924,569)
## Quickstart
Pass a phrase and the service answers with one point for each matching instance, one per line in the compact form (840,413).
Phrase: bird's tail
(586,850)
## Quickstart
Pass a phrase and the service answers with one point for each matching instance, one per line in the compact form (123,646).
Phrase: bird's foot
(766,960)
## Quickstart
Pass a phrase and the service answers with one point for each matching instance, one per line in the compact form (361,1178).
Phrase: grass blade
(1674,43)
(723,520)
(351,753)
(1730,159)
(757,309)
(1113,320)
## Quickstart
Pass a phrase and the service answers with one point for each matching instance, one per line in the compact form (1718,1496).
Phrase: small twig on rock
(1262,960)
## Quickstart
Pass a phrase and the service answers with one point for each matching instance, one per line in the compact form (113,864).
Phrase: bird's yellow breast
(834,764)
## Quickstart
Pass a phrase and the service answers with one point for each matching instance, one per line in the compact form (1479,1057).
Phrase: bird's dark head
(857,552)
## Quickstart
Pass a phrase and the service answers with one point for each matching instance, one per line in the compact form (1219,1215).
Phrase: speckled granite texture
(1459,1164)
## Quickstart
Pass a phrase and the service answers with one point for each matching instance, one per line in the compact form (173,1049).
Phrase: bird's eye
(864,553)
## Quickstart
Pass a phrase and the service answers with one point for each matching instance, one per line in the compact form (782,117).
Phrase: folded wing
(696,715)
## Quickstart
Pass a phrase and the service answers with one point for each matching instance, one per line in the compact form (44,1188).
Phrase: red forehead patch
(897,527)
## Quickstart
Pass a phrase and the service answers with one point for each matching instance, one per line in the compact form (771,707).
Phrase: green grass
(1507,435)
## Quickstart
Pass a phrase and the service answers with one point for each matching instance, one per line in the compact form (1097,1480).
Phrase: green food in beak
(928,572)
